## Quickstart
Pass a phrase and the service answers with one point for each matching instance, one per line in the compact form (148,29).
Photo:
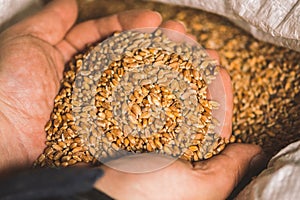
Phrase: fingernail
(181,22)
(159,15)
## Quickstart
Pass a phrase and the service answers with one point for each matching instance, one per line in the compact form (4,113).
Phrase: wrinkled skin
(33,54)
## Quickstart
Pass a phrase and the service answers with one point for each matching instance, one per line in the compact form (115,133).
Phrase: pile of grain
(133,93)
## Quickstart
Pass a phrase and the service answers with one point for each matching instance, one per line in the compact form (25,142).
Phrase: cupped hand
(212,179)
(33,54)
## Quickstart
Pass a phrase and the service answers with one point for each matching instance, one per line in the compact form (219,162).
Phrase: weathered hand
(33,54)
(213,179)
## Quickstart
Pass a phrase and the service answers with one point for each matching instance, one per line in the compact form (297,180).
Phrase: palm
(30,81)
(211,179)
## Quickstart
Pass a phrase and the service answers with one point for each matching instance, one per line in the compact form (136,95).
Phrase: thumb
(228,168)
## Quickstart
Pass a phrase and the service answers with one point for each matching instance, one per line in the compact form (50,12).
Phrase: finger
(227,169)
(174,25)
(50,24)
(192,37)
(95,30)
(213,54)
(220,90)
(180,27)
(227,125)
(174,30)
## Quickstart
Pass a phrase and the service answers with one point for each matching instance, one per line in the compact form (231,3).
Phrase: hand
(33,54)
(213,179)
